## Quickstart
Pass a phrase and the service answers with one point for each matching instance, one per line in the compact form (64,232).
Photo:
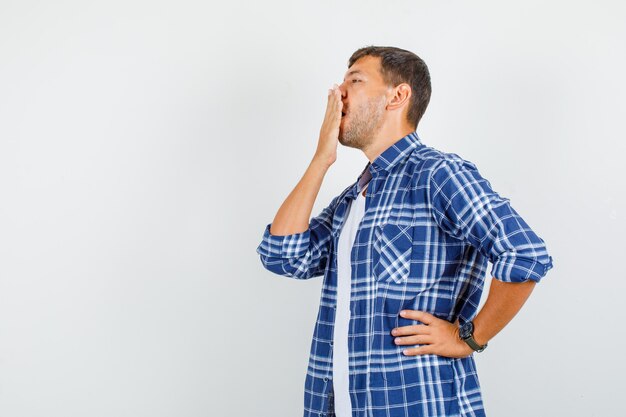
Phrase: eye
(354,81)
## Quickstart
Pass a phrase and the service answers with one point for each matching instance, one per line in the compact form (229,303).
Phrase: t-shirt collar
(386,160)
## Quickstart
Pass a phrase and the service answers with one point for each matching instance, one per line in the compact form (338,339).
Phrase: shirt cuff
(512,268)
(294,245)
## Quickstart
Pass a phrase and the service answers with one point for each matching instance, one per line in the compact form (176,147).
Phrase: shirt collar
(386,161)
(395,153)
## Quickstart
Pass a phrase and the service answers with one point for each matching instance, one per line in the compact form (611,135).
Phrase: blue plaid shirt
(431,225)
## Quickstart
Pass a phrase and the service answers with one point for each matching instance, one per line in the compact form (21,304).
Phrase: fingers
(331,125)
(334,94)
(414,335)
(411,330)
(333,108)
(418,334)
(422,316)
(421,350)
(334,100)
(436,336)
(414,340)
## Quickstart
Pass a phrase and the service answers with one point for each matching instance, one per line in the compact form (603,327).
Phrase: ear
(401,95)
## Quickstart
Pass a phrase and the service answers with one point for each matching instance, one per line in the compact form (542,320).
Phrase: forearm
(294,214)
(505,299)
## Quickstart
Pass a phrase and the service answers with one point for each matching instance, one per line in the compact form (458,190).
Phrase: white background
(144,146)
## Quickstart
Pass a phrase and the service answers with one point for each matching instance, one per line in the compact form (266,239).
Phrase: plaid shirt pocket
(392,253)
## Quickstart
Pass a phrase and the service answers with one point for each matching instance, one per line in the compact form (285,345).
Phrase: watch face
(466,330)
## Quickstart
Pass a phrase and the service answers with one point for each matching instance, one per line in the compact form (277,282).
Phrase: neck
(386,136)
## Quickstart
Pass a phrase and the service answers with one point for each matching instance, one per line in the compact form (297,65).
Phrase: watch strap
(468,332)
(475,346)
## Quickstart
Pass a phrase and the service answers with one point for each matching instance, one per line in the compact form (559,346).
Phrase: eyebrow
(352,72)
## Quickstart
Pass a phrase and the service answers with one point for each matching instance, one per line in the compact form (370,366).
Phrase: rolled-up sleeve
(465,206)
(300,255)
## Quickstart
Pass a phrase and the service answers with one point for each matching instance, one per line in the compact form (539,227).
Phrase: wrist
(479,331)
(479,336)
(322,162)
(468,336)
(467,350)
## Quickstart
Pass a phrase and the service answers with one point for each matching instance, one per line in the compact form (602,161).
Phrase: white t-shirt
(343,405)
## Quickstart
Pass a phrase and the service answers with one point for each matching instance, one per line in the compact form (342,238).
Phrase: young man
(404,252)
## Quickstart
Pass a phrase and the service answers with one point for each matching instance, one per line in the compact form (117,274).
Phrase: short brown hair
(402,66)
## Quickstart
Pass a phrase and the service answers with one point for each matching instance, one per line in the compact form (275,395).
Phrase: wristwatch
(466,333)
